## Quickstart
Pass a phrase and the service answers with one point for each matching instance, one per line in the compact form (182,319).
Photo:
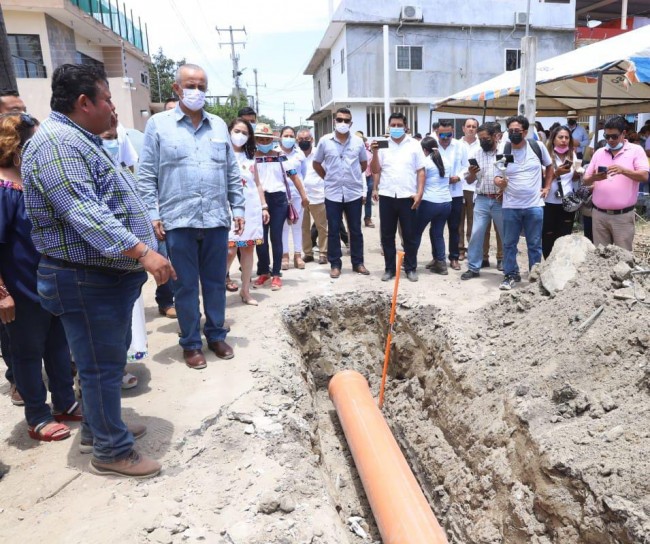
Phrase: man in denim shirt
(189,180)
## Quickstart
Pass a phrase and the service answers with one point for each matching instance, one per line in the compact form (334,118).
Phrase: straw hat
(263,130)
(571,114)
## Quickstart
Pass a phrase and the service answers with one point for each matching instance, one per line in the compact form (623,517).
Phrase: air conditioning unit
(411,14)
(521,18)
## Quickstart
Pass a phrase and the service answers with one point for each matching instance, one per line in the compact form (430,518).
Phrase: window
(320,94)
(513,59)
(376,125)
(342,60)
(82,58)
(409,57)
(27,55)
(144,78)
(329,78)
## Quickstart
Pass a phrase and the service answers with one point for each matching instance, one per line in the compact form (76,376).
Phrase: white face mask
(194,99)
(342,128)
(238,138)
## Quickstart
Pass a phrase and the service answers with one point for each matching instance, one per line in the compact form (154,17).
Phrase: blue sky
(281,38)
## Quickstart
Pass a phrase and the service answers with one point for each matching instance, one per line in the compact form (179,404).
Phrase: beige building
(44,34)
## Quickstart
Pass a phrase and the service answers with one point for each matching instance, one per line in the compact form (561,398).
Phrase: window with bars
(409,57)
(376,122)
(82,58)
(27,55)
(512,59)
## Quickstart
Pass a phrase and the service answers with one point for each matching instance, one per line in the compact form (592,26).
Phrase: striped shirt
(84,208)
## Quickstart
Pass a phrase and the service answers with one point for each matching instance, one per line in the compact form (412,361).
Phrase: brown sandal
(231,285)
(55,432)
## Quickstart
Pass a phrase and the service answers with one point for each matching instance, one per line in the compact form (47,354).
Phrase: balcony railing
(108,13)
(26,68)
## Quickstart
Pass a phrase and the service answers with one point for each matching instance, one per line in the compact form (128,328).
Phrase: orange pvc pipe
(401,510)
(391,324)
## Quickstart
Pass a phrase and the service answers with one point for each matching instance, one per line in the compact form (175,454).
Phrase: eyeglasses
(516,131)
(341,120)
(444,135)
(25,118)
(612,136)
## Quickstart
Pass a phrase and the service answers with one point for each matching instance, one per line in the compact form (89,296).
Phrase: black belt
(46,259)
(614,212)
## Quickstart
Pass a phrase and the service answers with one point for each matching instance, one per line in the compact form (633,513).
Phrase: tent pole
(484,110)
(598,93)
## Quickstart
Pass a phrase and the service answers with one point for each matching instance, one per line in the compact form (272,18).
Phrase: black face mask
(516,137)
(304,145)
(486,145)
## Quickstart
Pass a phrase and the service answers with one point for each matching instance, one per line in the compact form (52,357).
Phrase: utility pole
(236,73)
(257,95)
(527,87)
(285,110)
(7,74)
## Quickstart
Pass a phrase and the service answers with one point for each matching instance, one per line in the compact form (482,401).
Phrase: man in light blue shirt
(578,133)
(190,180)
(341,160)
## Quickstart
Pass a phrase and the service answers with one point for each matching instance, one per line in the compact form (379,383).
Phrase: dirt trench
(517,431)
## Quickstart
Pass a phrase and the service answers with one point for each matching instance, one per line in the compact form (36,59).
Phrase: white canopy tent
(611,76)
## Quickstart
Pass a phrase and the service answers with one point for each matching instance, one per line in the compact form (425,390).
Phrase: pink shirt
(619,191)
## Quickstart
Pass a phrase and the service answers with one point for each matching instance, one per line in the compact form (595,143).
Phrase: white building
(44,34)
(436,48)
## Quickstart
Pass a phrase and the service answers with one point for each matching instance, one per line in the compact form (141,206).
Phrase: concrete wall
(62,42)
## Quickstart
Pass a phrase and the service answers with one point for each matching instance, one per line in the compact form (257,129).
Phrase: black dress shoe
(485,263)
(221,349)
(308,259)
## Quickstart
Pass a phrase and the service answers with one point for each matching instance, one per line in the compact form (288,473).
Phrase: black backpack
(507,150)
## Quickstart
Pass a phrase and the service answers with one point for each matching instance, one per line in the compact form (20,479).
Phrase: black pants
(557,223)
(392,211)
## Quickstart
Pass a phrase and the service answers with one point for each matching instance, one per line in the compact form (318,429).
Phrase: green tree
(264,119)
(162,71)
(228,111)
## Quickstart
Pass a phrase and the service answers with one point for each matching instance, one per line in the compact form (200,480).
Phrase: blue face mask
(253,125)
(616,147)
(264,148)
(397,132)
(288,143)
(112,147)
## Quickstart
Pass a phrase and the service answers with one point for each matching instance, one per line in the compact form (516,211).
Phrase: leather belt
(491,195)
(614,212)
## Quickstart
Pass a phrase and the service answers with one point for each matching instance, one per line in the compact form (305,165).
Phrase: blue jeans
(164,292)
(453,223)
(392,210)
(485,210)
(278,205)
(531,220)
(199,254)
(95,308)
(435,213)
(335,211)
(37,339)
(367,214)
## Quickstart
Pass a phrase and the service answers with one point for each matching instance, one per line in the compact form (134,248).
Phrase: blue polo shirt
(18,256)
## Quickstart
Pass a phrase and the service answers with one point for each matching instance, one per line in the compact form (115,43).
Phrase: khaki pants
(317,211)
(466,216)
(613,229)
(486,243)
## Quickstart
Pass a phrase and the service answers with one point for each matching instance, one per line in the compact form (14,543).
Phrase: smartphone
(509,158)
(567,164)
(473,162)
(602,169)
(382,144)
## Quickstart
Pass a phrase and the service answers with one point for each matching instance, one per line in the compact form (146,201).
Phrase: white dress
(253,234)
(138,348)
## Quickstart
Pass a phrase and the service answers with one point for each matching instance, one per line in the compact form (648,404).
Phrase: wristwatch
(4,293)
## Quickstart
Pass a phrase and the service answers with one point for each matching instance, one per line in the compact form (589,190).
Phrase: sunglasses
(25,118)
(444,135)
(339,120)
(612,136)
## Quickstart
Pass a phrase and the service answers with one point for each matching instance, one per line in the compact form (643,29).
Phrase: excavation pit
(519,425)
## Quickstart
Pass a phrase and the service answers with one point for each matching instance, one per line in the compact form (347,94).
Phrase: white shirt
(566,180)
(271,176)
(313,183)
(127,154)
(436,187)
(399,166)
(524,189)
(470,150)
(456,156)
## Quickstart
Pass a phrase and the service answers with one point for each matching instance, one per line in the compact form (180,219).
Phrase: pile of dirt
(524,422)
